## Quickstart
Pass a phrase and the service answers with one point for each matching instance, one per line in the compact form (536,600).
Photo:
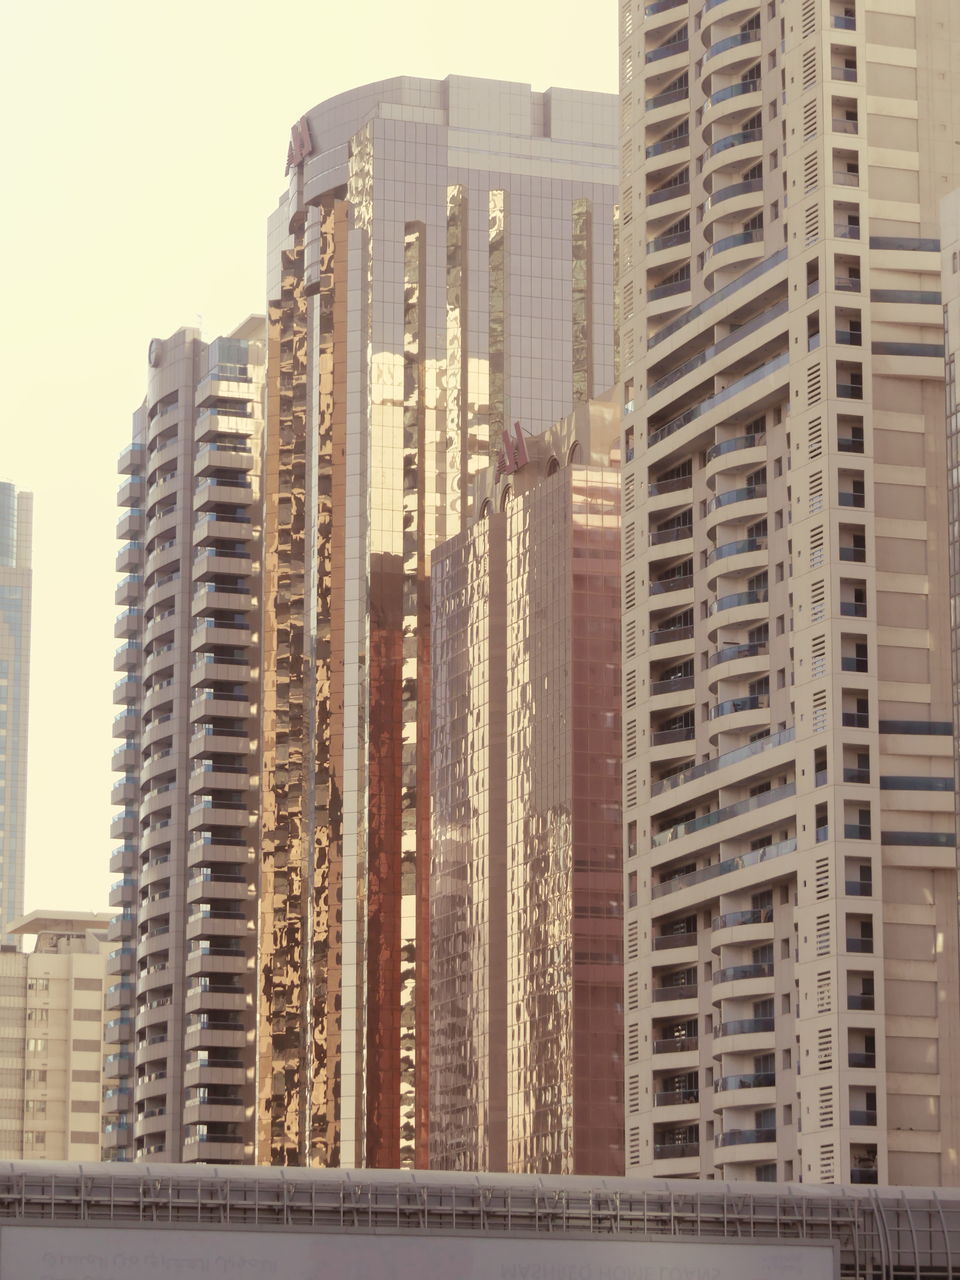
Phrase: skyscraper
(16,577)
(185,930)
(441,264)
(526,906)
(788,773)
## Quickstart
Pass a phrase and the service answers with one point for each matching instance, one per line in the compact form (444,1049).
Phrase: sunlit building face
(440,266)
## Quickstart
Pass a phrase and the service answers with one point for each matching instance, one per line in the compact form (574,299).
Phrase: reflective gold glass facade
(422,294)
(526,974)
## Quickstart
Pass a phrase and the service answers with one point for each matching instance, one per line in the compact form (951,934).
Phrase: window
(36,1045)
(38,984)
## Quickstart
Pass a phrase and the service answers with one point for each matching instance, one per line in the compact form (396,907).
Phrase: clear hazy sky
(143,145)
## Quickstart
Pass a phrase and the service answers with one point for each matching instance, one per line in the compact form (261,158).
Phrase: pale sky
(143,145)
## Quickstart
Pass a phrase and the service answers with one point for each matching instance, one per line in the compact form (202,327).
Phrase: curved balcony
(743,98)
(732,250)
(738,714)
(739,600)
(734,149)
(742,973)
(728,51)
(721,202)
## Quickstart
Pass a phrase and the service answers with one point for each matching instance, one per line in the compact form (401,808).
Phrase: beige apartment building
(182,963)
(51,1037)
(526,909)
(790,857)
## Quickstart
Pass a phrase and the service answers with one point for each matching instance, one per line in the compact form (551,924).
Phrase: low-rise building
(52,1037)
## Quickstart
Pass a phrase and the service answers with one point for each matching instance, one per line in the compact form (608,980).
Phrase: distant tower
(16,513)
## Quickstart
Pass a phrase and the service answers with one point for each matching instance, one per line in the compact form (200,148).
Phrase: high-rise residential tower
(791,954)
(440,265)
(526,904)
(183,993)
(16,530)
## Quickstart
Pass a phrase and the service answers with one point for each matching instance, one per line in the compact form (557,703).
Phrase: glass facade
(16,510)
(526,967)
(431,274)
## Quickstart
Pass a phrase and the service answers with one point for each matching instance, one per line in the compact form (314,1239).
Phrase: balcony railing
(677,534)
(669,941)
(728,393)
(734,90)
(725,759)
(676,1044)
(861,1117)
(745,1026)
(676,1097)
(855,719)
(668,291)
(752,915)
(667,50)
(752,1080)
(666,145)
(733,140)
(733,706)
(738,1137)
(711,819)
(739,598)
(861,946)
(684,734)
(867,1176)
(862,1001)
(679,991)
(676,1150)
(665,99)
(677,582)
(728,865)
(740,972)
(732,42)
(734,241)
(667,635)
(860,1059)
(731,652)
(747,494)
(676,685)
